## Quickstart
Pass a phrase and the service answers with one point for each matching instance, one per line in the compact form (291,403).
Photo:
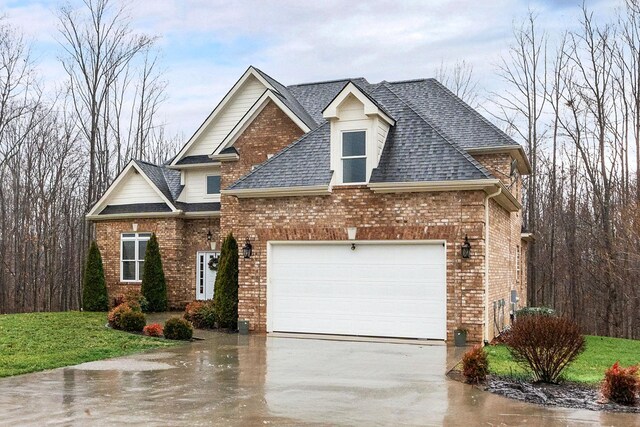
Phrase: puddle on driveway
(253,380)
(130,365)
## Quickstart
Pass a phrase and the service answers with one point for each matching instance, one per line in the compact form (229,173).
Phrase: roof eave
(133,215)
(505,198)
(311,190)
(524,167)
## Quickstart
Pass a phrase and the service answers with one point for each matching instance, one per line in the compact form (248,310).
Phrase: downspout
(486,261)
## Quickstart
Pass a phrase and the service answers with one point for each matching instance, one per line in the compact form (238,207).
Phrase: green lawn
(37,341)
(588,368)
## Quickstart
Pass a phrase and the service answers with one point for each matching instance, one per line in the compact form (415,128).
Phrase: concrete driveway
(240,380)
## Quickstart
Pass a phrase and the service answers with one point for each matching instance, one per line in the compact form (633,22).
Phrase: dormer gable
(359,128)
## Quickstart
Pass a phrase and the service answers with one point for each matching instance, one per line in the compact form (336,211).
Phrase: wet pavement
(229,379)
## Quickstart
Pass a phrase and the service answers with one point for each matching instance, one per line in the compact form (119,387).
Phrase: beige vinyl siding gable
(133,189)
(381,136)
(195,186)
(221,125)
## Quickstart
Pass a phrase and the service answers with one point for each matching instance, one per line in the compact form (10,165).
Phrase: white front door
(383,289)
(205,277)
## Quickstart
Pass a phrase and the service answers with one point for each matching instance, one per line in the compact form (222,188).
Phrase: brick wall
(179,240)
(407,216)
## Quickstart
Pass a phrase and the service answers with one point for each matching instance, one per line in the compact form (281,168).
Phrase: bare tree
(520,108)
(460,80)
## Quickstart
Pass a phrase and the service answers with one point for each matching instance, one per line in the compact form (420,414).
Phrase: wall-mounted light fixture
(212,243)
(351,233)
(466,247)
(247,249)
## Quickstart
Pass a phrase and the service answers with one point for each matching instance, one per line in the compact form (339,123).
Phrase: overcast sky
(206,45)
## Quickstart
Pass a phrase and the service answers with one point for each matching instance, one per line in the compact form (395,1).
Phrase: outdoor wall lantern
(466,247)
(210,240)
(247,249)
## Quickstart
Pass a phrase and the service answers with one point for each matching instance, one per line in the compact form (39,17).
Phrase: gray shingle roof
(433,130)
(193,160)
(303,163)
(417,148)
(156,175)
(136,208)
(290,100)
(454,117)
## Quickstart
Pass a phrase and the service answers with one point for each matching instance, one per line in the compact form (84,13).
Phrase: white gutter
(315,190)
(486,260)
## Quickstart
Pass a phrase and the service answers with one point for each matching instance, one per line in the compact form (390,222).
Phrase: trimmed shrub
(132,321)
(153,330)
(225,295)
(176,328)
(94,287)
(154,285)
(475,365)
(545,345)
(135,298)
(621,385)
(535,311)
(201,314)
(115,315)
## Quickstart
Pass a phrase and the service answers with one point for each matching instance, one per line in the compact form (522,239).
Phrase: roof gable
(137,183)
(225,115)
(349,91)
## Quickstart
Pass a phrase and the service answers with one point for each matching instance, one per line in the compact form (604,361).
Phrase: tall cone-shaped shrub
(225,294)
(154,285)
(94,287)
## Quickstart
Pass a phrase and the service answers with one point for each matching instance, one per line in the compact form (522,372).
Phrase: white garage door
(382,290)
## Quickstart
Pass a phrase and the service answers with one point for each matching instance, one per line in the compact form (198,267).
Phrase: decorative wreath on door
(213,263)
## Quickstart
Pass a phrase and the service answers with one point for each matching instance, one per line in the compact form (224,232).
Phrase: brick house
(356,199)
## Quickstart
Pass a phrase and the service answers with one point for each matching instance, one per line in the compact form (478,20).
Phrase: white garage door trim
(441,334)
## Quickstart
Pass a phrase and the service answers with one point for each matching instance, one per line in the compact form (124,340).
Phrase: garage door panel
(377,289)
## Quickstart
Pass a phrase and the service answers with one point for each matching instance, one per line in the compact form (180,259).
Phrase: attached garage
(379,289)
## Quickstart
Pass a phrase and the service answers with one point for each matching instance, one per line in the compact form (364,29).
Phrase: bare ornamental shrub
(475,365)
(621,385)
(545,344)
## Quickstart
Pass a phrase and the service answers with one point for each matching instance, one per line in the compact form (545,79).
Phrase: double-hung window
(133,246)
(213,184)
(354,157)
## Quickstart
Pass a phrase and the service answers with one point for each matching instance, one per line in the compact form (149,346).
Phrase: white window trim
(343,158)
(135,238)
(215,196)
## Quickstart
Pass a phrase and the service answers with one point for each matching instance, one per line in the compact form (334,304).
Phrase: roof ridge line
(277,155)
(329,81)
(472,110)
(464,154)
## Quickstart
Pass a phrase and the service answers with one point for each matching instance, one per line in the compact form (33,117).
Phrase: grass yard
(588,368)
(37,341)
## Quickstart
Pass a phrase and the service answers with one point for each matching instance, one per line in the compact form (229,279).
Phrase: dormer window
(354,157)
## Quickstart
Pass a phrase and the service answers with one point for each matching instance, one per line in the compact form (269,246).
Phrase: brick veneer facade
(447,216)
(179,240)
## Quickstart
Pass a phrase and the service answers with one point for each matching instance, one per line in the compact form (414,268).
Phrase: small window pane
(354,170)
(213,184)
(129,250)
(128,270)
(129,235)
(353,144)
(142,249)
(144,235)
(140,270)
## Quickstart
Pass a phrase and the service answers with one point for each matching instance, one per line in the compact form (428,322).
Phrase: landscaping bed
(33,342)
(580,381)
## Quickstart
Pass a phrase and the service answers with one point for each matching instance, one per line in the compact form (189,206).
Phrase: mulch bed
(567,395)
